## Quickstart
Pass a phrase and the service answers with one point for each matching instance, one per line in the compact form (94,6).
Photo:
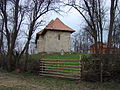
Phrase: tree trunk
(112,20)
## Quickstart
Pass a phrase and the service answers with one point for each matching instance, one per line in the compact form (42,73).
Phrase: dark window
(42,37)
(58,36)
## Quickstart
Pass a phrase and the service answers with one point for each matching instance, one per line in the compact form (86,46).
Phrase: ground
(23,81)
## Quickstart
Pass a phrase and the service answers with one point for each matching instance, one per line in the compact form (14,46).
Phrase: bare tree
(22,15)
(81,41)
(93,12)
(1,35)
(113,7)
(116,33)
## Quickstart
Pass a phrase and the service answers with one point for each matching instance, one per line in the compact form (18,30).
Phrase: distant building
(102,48)
(55,37)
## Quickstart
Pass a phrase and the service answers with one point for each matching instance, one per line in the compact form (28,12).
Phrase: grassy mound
(59,56)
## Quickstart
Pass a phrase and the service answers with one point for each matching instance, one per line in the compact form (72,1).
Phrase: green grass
(58,56)
(26,81)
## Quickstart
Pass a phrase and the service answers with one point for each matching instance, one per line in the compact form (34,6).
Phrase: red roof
(56,25)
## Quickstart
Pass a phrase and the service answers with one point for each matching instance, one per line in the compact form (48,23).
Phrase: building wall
(41,44)
(51,43)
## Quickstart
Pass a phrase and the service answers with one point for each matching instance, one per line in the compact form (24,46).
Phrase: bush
(110,68)
(32,65)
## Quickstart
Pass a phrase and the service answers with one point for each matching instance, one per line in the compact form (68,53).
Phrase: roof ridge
(63,23)
(58,25)
(50,23)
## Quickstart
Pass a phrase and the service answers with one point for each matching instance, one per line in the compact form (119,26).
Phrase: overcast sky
(72,18)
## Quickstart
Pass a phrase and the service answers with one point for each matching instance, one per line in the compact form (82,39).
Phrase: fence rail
(62,68)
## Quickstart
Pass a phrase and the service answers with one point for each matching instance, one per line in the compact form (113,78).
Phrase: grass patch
(59,56)
(26,81)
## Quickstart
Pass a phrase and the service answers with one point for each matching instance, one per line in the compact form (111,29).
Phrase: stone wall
(50,43)
(41,44)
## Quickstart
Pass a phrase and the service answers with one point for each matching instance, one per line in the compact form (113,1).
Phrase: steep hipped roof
(56,25)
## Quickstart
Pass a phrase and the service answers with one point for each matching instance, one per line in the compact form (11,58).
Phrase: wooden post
(101,72)
(81,66)
(41,65)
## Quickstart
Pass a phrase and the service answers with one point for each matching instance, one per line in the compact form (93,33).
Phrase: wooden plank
(63,68)
(60,60)
(95,60)
(60,63)
(58,76)
(58,71)
(45,65)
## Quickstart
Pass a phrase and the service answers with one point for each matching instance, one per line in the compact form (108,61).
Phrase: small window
(42,37)
(58,36)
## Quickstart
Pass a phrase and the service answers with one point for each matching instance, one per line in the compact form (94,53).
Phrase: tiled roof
(40,32)
(57,25)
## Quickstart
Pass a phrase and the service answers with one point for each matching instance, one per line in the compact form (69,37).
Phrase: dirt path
(15,83)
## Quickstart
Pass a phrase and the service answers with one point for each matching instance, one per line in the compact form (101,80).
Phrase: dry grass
(13,81)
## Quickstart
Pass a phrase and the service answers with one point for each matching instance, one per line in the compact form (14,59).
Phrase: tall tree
(18,16)
(113,7)
(94,13)
(116,32)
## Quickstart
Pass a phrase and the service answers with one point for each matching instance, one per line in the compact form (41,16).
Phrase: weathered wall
(41,44)
(50,43)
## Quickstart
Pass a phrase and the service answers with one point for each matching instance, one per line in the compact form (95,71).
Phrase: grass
(58,56)
(26,81)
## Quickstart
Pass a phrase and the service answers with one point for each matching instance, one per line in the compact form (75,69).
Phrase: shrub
(110,68)
(32,65)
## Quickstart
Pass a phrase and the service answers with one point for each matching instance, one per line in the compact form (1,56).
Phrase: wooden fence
(91,69)
(61,68)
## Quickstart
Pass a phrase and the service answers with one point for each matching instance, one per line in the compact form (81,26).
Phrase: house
(102,48)
(54,38)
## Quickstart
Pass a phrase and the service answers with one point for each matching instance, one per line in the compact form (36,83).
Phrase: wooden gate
(66,68)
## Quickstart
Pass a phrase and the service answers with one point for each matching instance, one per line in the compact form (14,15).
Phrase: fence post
(101,71)
(81,67)
(41,66)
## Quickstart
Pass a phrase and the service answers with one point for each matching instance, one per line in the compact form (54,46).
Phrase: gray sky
(72,18)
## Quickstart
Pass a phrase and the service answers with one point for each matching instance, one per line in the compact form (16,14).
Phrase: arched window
(58,36)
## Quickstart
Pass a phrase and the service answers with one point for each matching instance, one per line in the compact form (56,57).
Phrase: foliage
(105,66)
